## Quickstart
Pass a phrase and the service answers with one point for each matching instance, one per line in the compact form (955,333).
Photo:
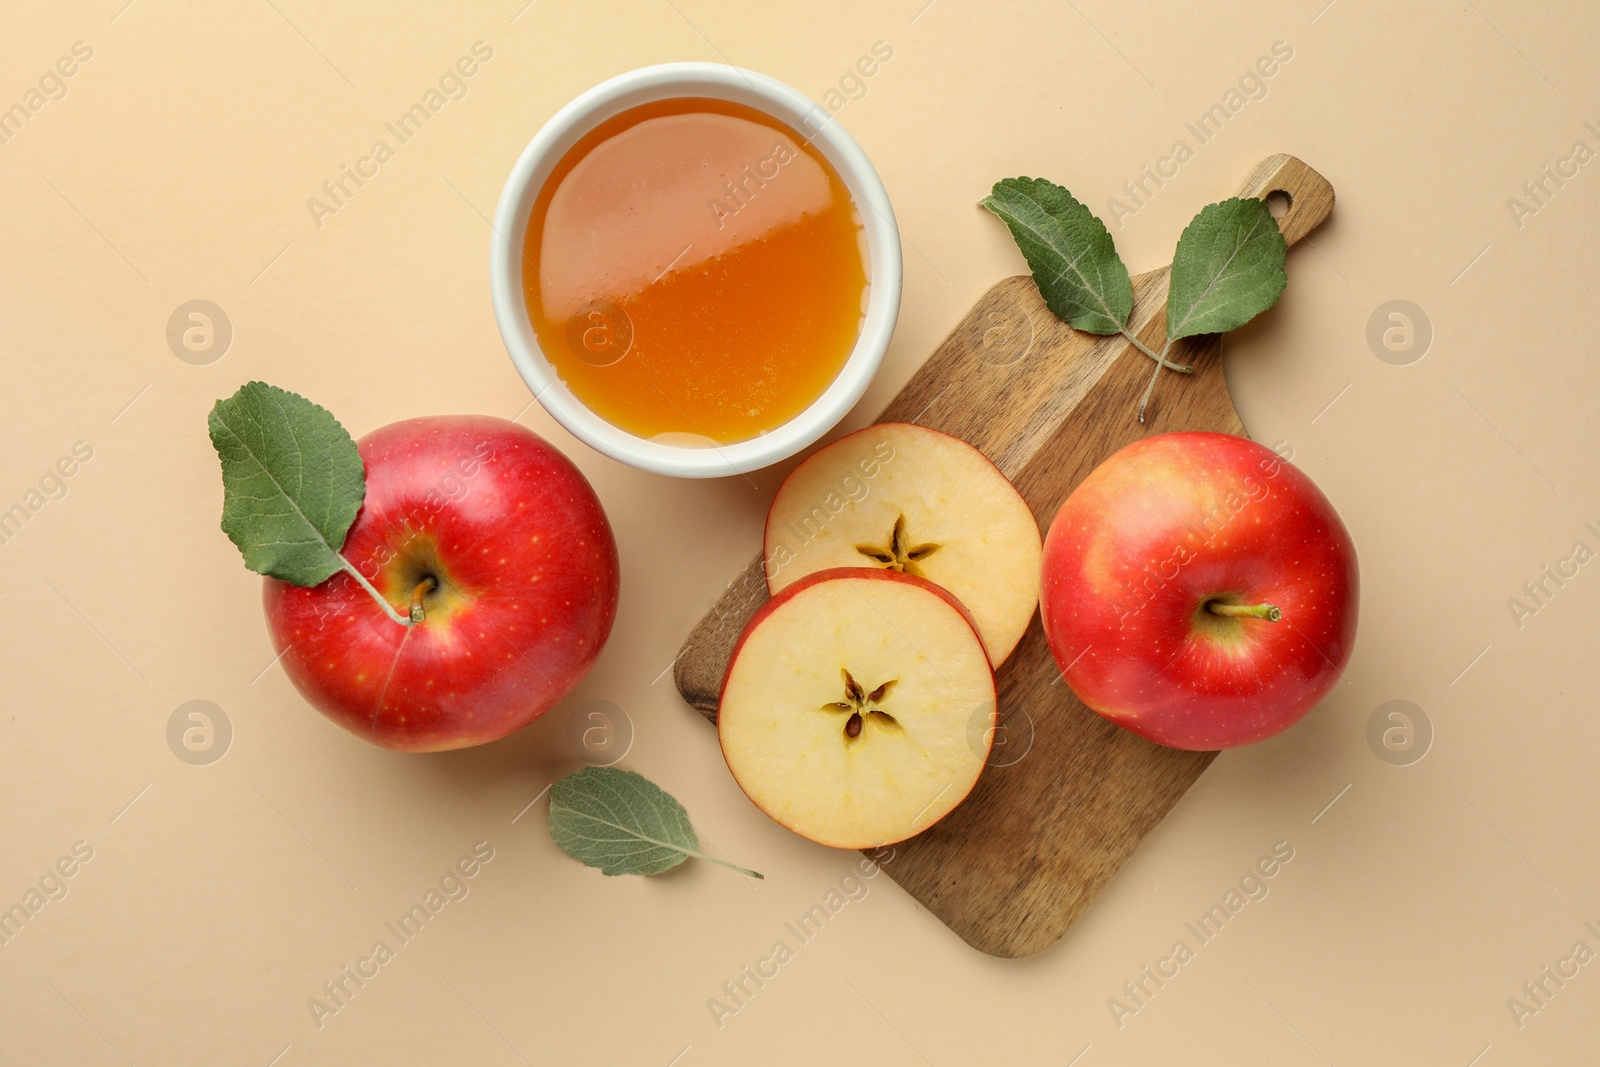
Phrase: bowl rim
(805,117)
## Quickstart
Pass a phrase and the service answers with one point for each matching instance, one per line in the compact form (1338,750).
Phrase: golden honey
(695,271)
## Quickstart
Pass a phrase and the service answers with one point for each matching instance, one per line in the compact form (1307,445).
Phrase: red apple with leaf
(1197,589)
(441,584)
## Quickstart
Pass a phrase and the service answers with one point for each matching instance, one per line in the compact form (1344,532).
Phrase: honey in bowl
(695,271)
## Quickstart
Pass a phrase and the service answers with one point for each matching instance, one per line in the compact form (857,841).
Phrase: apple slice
(858,708)
(918,501)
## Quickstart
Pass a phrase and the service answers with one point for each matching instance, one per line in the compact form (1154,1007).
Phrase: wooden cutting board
(1066,796)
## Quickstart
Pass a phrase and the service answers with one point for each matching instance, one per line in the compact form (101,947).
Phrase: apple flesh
(1199,591)
(917,501)
(858,708)
(499,544)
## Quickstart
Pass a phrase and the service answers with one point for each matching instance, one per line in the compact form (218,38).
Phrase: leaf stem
(350,569)
(1161,360)
(731,866)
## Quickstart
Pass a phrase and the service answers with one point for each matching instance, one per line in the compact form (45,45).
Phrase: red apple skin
(528,577)
(1152,534)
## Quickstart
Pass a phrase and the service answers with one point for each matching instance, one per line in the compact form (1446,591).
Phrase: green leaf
(1073,259)
(622,823)
(292,482)
(1228,268)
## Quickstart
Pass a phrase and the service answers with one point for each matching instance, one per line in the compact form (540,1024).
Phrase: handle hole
(1279,202)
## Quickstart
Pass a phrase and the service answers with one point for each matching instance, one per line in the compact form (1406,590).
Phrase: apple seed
(861,705)
(896,555)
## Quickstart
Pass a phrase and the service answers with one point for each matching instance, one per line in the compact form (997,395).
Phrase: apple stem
(361,580)
(1245,611)
(424,587)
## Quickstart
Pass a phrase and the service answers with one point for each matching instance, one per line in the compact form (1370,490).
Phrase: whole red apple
(496,542)
(1199,591)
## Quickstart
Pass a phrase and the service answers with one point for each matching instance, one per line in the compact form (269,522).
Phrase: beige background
(220,897)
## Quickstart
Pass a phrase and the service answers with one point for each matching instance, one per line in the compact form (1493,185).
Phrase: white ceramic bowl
(809,119)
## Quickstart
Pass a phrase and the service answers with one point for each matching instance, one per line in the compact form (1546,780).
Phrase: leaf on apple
(623,823)
(1070,252)
(1227,269)
(292,482)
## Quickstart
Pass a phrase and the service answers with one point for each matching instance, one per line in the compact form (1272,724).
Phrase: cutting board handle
(1309,196)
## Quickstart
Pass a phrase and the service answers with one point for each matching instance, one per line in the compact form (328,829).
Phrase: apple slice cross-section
(858,708)
(916,501)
